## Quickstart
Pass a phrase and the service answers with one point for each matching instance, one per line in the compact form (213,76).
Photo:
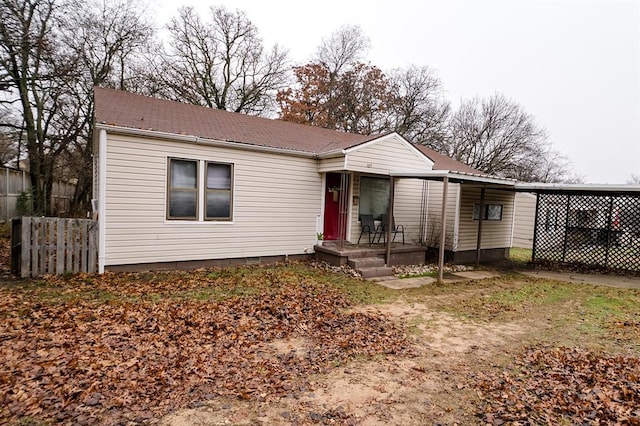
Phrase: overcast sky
(573,64)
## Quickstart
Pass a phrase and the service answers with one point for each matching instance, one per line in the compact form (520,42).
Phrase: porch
(370,260)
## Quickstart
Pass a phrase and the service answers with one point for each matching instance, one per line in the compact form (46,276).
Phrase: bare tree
(8,149)
(343,48)
(497,136)
(420,113)
(221,63)
(104,40)
(29,73)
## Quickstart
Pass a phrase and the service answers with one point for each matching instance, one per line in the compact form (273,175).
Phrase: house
(179,185)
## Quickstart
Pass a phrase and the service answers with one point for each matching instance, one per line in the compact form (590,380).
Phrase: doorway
(336,206)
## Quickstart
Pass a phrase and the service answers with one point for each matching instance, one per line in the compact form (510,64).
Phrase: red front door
(336,206)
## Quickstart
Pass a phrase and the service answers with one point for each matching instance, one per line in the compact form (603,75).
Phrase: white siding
(385,155)
(525,216)
(495,234)
(276,201)
(434,214)
(408,200)
(334,164)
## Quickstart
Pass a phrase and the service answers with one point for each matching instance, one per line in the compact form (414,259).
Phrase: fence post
(566,229)
(16,245)
(609,214)
(93,252)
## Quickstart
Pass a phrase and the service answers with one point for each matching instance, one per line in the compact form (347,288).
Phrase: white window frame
(169,189)
(207,190)
(485,216)
(201,191)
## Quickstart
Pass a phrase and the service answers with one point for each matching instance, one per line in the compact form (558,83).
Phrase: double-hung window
(182,191)
(196,195)
(219,191)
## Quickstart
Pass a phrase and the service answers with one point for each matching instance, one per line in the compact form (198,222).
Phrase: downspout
(102,199)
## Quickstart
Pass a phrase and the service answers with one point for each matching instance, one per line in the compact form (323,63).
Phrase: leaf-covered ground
(556,385)
(291,344)
(132,347)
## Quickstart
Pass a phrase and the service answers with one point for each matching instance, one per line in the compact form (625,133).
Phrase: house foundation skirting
(486,255)
(195,264)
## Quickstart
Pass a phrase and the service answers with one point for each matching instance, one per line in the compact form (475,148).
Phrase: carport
(484,182)
(591,225)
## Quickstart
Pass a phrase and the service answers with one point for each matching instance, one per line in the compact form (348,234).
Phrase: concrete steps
(376,271)
(370,267)
(365,262)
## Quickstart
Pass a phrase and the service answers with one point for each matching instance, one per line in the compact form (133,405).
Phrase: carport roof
(459,177)
(512,184)
(577,188)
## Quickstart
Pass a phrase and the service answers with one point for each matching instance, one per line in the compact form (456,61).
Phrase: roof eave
(202,141)
(457,176)
(576,187)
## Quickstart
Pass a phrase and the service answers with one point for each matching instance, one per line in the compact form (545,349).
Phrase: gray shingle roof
(442,162)
(128,110)
(123,109)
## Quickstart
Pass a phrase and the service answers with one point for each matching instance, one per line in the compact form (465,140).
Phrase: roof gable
(405,154)
(128,110)
(442,162)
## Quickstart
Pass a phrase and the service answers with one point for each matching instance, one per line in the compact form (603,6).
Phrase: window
(491,212)
(219,191)
(188,198)
(374,196)
(182,189)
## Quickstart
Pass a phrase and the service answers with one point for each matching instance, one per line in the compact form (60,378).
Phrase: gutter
(457,176)
(201,141)
(575,187)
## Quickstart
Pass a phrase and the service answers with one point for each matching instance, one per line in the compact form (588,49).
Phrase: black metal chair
(396,229)
(368,226)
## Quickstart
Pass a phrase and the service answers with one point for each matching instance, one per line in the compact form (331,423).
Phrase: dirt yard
(294,345)
(430,387)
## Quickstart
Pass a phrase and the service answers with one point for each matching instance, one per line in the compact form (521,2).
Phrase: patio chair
(368,226)
(396,229)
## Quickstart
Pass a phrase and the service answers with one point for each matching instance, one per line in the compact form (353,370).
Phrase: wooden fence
(49,245)
(13,182)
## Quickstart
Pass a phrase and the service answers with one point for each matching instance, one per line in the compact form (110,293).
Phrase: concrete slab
(475,275)
(595,279)
(403,283)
